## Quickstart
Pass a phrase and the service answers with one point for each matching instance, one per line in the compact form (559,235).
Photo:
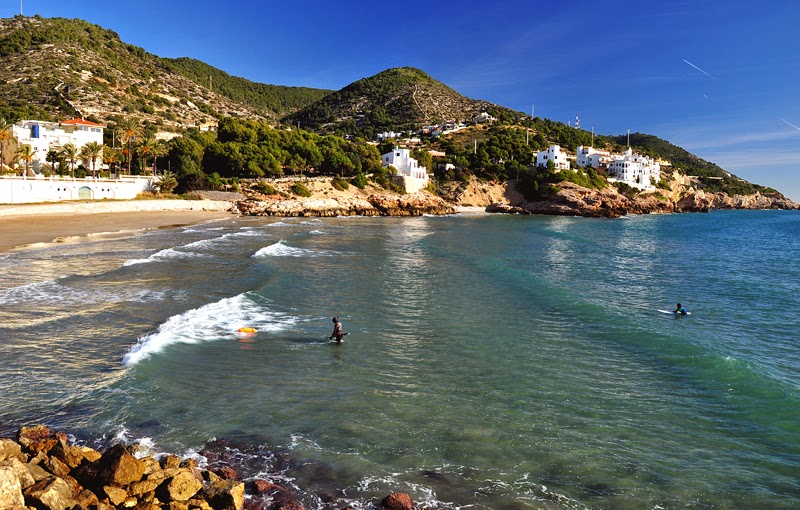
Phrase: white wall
(28,190)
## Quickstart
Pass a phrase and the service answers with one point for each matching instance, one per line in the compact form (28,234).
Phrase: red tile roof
(80,122)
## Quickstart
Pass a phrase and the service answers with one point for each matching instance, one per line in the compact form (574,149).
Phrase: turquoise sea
(504,362)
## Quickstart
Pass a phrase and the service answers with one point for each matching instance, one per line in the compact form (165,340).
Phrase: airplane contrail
(786,121)
(699,69)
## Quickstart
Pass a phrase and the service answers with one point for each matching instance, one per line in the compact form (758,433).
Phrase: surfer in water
(338,334)
(680,309)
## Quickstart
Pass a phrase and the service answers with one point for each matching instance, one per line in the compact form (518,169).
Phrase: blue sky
(719,78)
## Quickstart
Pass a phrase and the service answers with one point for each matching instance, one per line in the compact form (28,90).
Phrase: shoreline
(37,225)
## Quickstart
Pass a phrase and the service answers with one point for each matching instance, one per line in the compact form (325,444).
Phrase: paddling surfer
(337,330)
(680,309)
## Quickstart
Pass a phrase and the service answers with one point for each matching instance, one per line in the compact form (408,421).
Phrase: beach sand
(35,225)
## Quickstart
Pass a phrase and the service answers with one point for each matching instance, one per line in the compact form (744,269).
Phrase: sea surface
(492,361)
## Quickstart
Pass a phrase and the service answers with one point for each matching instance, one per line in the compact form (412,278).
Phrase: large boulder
(21,470)
(225,495)
(119,467)
(181,487)
(50,494)
(28,435)
(9,448)
(397,501)
(413,204)
(10,489)
(37,439)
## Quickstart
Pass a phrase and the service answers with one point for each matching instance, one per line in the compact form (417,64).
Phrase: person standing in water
(338,334)
(680,310)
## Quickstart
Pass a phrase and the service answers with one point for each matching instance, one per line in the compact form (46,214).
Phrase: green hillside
(99,76)
(395,99)
(276,98)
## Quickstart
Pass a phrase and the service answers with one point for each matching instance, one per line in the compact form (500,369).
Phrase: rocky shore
(415,204)
(569,200)
(41,470)
(573,200)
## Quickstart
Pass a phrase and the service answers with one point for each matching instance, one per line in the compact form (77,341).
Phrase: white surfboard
(671,312)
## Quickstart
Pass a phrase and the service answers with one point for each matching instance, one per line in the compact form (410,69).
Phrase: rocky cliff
(415,204)
(574,200)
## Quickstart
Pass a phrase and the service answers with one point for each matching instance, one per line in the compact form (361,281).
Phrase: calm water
(492,361)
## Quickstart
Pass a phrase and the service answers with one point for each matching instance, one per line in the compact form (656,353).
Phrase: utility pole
(20,7)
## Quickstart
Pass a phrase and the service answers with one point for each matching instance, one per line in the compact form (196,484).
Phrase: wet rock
(226,473)
(397,501)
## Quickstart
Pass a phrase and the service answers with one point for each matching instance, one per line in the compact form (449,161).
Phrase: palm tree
(90,152)
(167,182)
(145,149)
(159,149)
(111,157)
(25,152)
(70,153)
(6,134)
(52,158)
(127,130)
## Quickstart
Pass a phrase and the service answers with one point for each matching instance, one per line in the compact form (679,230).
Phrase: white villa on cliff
(595,158)
(409,174)
(635,170)
(554,154)
(43,136)
(632,169)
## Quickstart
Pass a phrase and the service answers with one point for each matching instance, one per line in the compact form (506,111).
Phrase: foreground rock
(415,204)
(42,470)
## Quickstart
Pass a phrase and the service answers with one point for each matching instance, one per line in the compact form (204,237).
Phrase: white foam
(166,254)
(318,233)
(281,249)
(211,322)
(53,290)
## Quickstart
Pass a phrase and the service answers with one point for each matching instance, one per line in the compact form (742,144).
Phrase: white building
(389,134)
(409,174)
(482,117)
(635,170)
(554,154)
(28,190)
(591,157)
(43,136)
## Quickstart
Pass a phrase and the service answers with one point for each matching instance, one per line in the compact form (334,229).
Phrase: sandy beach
(28,226)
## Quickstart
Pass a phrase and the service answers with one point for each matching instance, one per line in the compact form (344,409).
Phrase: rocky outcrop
(414,204)
(42,470)
(700,200)
(573,200)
